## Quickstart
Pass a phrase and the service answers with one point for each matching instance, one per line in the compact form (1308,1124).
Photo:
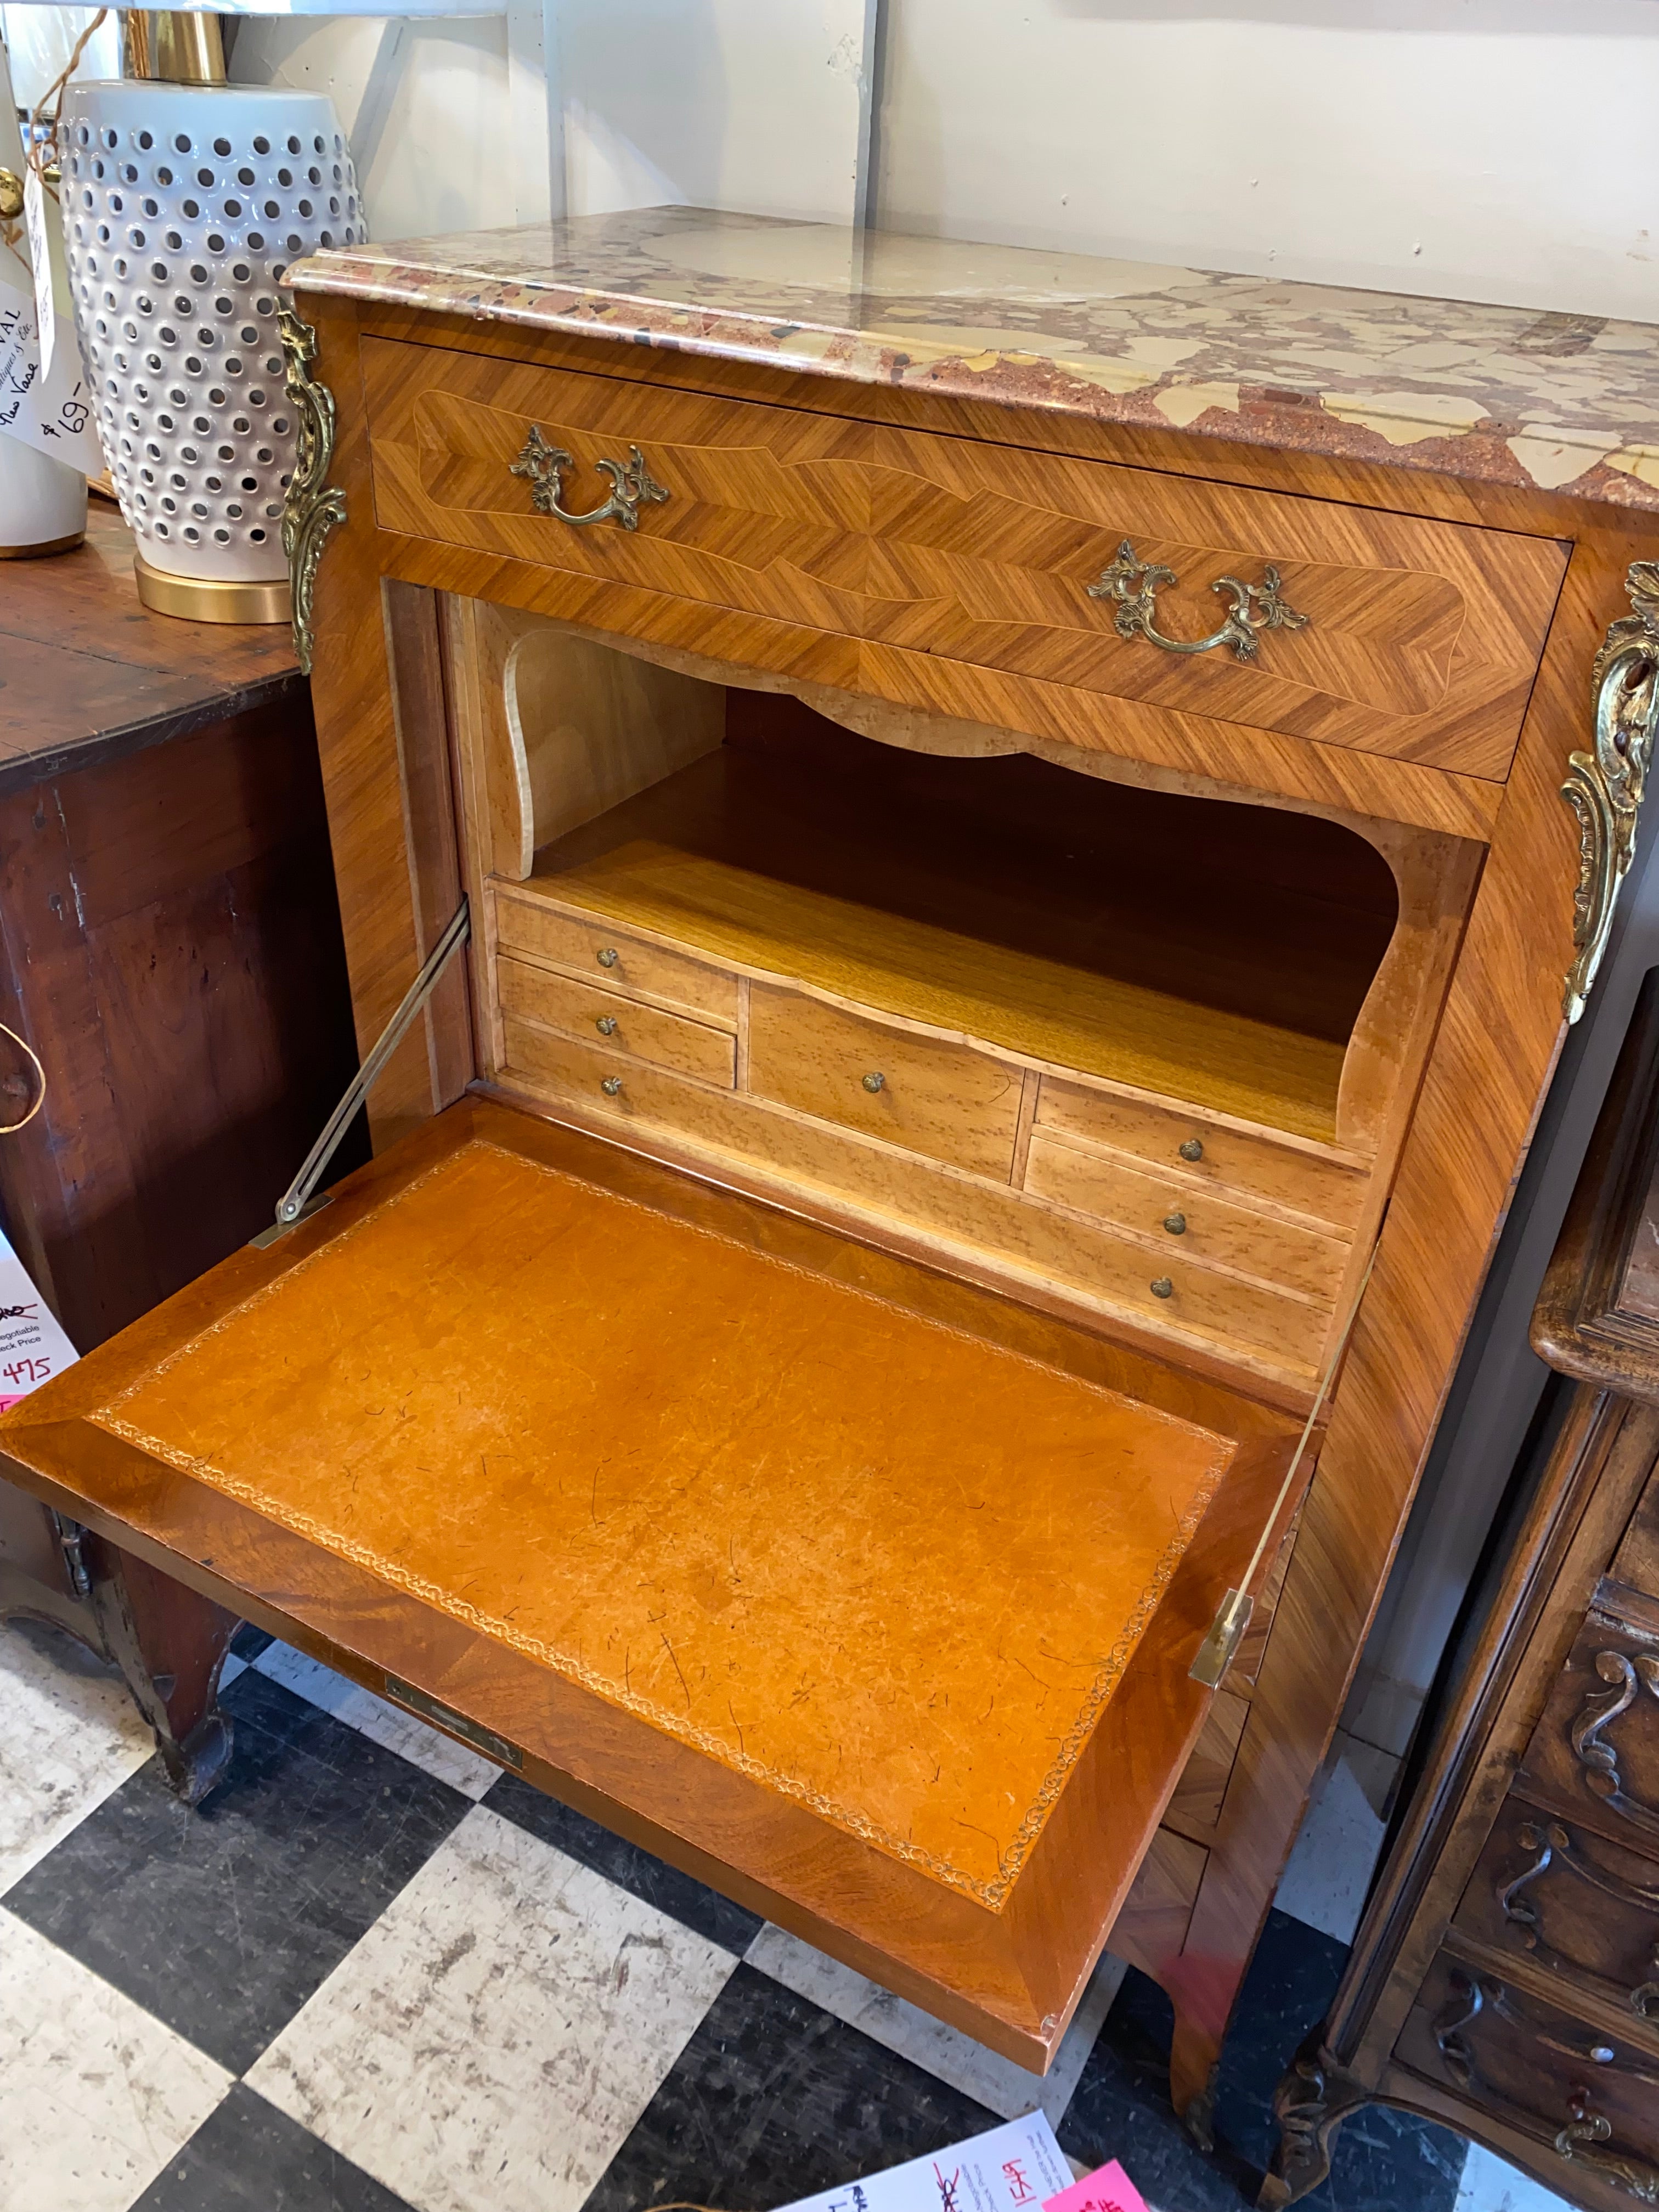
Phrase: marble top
(1505,395)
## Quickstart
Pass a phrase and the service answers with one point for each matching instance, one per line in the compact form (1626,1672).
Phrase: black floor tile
(772,2099)
(250,1642)
(1120,2109)
(1385,2162)
(249,2157)
(223,1921)
(678,1895)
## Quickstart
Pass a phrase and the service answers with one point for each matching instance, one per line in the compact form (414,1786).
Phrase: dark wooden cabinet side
(1505,1978)
(170,948)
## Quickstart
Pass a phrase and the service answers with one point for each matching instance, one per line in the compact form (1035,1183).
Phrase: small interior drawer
(644,1032)
(1204,1153)
(1264,1326)
(590,946)
(924,1093)
(1193,1224)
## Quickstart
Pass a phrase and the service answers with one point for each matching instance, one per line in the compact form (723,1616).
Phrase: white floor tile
(489,2043)
(95,2096)
(68,1735)
(1489,2185)
(383,1723)
(1008,2090)
(1330,1868)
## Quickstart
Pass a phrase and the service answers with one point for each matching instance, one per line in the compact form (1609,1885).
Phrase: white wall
(1495,149)
(424,105)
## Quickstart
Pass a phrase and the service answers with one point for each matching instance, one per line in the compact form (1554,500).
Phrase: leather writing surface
(890,1570)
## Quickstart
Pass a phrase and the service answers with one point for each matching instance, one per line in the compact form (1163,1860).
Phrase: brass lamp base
(193,599)
(47,545)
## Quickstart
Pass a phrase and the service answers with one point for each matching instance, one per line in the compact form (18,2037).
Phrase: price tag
(45,308)
(32,1347)
(51,411)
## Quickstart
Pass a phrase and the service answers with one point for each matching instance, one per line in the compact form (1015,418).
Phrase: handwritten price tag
(32,1346)
(48,409)
(45,308)
(1109,2189)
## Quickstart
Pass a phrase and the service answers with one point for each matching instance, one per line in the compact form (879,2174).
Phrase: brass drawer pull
(1133,586)
(606,1025)
(1192,1150)
(1176,1223)
(607,957)
(1162,1287)
(873,1082)
(611,1085)
(632,484)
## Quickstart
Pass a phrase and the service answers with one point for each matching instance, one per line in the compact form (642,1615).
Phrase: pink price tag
(1109,2189)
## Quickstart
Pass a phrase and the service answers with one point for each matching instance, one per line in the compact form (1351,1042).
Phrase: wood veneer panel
(1422,639)
(1494,1051)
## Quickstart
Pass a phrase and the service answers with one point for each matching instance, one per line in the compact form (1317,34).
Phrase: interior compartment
(1195,948)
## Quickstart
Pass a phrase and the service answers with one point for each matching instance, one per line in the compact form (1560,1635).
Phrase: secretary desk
(1026,831)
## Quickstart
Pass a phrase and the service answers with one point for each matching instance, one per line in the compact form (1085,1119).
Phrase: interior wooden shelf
(1086,925)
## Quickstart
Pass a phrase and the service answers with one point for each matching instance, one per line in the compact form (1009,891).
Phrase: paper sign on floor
(1017,2165)
(32,1345)
(1109,2189)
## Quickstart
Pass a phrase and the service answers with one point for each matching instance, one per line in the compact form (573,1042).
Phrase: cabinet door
(867,1596)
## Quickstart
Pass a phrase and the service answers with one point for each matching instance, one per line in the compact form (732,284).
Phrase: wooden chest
(1506,1976)
(963,1022)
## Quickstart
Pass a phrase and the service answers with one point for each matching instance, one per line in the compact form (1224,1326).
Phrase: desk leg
(168,1642)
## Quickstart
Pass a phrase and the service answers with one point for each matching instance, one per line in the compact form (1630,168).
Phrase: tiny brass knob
(1162,1288)
(1176,1223)
(608,957)
(875,1082)
(606,1025)
(1192,1150)
(11,195)
(610,1085)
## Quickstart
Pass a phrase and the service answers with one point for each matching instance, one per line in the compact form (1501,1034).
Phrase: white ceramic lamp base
(184,208)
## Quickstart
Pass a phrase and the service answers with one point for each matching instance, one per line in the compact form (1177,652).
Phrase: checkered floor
(372,1974)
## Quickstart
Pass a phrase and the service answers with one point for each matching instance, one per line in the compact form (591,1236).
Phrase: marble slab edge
(1264,415)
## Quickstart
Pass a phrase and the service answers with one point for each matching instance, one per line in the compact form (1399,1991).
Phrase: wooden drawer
(1264,1330)
(644,1032)
(589,946)
(1190,1225)
(924,1093)
(1579,1907)
(1202,1154)
(1421,637)
(1541,2069)
(1596,1748)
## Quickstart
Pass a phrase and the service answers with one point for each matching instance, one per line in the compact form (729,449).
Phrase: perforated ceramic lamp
(184,208)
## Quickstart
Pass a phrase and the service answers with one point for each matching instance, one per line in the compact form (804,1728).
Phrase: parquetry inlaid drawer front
(925,1093)
(1204,1154)
(627,1026)
(591,947)
(1420,638)
(1184,1222)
